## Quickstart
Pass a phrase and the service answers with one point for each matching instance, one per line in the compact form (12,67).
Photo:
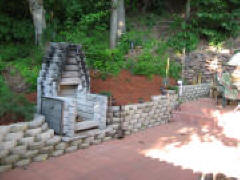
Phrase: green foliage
(151,63)
(26,59)
(12,29)
(107,61)
(9,52)
(184,40)
(14,104)
(28,71)
(216,20)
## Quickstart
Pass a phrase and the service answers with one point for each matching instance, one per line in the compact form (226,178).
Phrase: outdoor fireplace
(64,92)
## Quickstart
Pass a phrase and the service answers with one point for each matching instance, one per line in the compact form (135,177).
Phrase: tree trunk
(185,54)
(121,18)
(38,13)
(145,5)
(113,24)
(188,10)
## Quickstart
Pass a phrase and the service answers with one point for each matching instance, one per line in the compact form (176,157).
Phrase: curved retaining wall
(23,143)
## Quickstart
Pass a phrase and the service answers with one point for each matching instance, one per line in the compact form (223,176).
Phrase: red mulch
(9,119)
(31,97)
(127,88)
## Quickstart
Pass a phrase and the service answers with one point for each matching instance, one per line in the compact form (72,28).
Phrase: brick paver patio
(200,138)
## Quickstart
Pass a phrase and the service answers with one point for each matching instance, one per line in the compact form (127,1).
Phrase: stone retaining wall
(191,92)
(23,143)
(132,118)
(204,64)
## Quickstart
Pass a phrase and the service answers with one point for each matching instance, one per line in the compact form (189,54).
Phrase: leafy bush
(25,58)
(216,20)
(9,52)
(184,40)
(14,104)
(12,29)
(107,61)
(150,64)
(28,71)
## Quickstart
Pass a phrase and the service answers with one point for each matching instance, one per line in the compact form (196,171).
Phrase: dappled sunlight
(211,156)
(206,140)
(230,122)
(213,65)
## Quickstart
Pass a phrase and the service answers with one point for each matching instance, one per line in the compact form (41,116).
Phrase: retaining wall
(132,118)
(191,92)
(23,143)
(205,64)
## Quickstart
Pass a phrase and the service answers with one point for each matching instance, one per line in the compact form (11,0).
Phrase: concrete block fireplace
(64,93)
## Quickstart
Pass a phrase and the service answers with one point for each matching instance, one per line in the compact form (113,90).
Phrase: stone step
(7,145)
(40,157)
(70,74)
(71,61)
(22,163)
(70,81)
(13,136)
(26,141)
(37,121)
(53,141)
(45,135)
(85,134)
(86,125)
(4,130)
(33,132)
(18,127)
(71,68)
(4,168)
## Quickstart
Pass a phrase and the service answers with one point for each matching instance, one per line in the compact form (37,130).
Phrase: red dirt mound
(127,88)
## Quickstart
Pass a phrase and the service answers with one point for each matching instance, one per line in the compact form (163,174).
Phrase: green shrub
(10,52)
(184,40)
(216,20)
(15,30)
(150,63)
(28,63)
(14,104)
(107,61)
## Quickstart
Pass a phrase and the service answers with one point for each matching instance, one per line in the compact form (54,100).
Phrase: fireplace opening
(68,90)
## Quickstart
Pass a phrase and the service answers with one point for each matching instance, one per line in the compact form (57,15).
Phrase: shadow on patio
(204,139)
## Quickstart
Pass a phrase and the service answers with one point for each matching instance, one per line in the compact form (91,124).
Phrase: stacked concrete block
(192,92)
(51,71)
(130,119)
(85,107)
(64,76)
(205,64)
(23,143)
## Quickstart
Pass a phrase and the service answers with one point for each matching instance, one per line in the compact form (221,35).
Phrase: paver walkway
(194,141)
